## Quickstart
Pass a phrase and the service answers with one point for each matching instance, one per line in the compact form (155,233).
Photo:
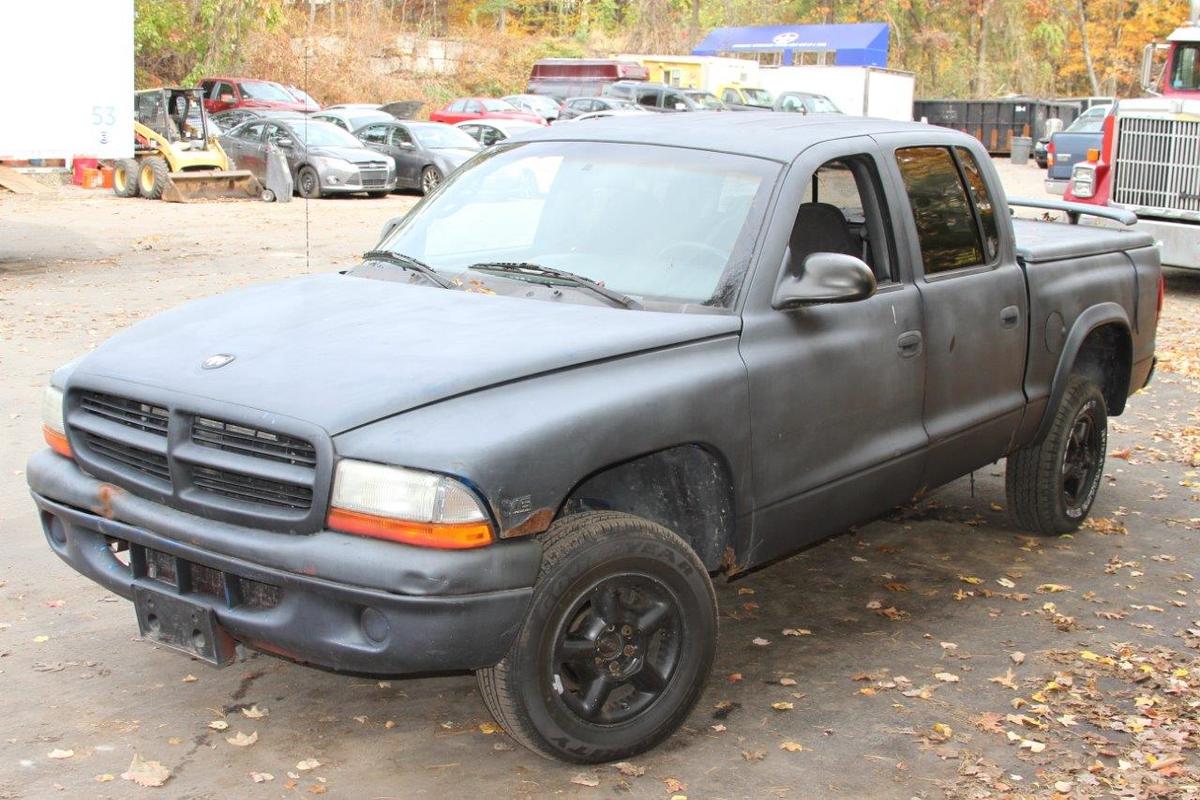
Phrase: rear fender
(1116,382)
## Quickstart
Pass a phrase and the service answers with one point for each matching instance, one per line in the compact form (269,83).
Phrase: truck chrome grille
(202,463)
(1157,164)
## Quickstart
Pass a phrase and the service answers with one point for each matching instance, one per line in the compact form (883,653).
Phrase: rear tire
(1052,484)
(153,177)
(378,195)
(616,647)
(125,178)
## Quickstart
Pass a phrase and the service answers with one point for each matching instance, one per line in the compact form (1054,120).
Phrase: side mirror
(283,141)
(1147,67)
(407,146)
(825,278)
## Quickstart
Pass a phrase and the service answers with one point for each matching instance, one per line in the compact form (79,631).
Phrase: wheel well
(686,488)
(1105,357)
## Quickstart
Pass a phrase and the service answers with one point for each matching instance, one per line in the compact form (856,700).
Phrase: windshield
(823,105)
(313,133)
(760,97)
(655,223)
(1185,68)
(498,105)
(261,90)
(440,137)
(1090,121)
(705,100)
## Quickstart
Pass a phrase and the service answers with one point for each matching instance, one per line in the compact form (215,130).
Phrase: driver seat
(821,228)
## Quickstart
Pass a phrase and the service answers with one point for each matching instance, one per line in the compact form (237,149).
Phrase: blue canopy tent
(857,44)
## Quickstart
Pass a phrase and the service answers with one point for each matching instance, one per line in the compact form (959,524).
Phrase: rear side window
(985,209)
(946,226)
(648,97)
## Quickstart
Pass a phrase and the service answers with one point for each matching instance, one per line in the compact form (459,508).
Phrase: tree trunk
(1087,52)
(694,24)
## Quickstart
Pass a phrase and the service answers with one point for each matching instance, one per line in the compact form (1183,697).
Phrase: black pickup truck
(589,373)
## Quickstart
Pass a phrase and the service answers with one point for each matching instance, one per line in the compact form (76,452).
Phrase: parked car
(323,158)
(574,107)
(746,98)
(609,112)
(472,108)
(222,94)
(544,106)
(424,152)
(228,120)
(660,97)
(570,77)
(511,441)
(805,103)
(352,116)
(488,133)
(1070,146)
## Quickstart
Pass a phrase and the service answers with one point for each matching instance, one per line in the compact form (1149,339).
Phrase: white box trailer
(860,91)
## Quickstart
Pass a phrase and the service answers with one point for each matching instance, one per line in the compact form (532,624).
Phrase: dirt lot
(938,652)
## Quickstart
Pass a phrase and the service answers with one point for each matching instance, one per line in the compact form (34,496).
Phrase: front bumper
(1056,186)
(332,600)
(1179,241)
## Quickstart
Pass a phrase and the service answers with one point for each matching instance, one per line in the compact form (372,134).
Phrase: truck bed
(1038,241)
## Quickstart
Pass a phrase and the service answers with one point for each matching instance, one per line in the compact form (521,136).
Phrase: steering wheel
(705,251)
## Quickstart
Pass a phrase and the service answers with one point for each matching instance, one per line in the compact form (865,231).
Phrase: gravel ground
(937,652)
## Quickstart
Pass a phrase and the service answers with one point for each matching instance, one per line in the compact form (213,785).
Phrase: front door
(836,390)
(975,308)
(403,149)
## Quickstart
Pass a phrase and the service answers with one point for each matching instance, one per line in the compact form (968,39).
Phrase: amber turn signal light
(443,535)
(1093,155)
(57,441)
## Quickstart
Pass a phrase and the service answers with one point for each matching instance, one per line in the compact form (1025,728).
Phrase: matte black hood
(342,351)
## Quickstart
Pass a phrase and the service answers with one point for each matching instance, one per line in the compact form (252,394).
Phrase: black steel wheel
(617,644)
(430,179)
(308,183)
(1051,484)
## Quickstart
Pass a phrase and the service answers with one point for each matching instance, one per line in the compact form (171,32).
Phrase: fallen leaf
(787,681)
(254,712)
(735,677)
(761,642)
(792,747)
(1017,657)
(782,706)
(629,770)
(1006,583)
(941,732)
(1032,746)
(307,764)
(1007,680)
(219,725)
(989,722)
(261,777)
(971,579)
(797,632)
(56,753)
(947,677)
(240,739)
(1051,588)
(41,638)
(718,728)
(586,779)
(190,679)
(105,777)
(486,728)
(675,785)
(754,755)
(146,773)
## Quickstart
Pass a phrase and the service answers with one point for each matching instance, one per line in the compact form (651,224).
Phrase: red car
(470,108)
(222,94)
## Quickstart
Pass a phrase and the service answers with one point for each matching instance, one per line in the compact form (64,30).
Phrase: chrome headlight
(406,505)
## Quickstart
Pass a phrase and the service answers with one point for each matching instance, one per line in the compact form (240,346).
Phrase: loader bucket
(185,186)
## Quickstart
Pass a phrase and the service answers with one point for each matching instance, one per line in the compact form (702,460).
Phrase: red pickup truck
(222,94)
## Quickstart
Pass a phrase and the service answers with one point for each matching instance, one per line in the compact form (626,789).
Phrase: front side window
(558,204)
(252,132)
(946,227)
(843,212)
(1090,121)
(1185,69)
(376,134)
(400,137)
(458,105)
(648,97)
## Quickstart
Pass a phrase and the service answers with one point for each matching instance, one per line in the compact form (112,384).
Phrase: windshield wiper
(537,270)
(410,263)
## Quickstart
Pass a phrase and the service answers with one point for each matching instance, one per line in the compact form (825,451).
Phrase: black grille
(143,416)
(373,175)
(252,442)
(251,489)
(144,461)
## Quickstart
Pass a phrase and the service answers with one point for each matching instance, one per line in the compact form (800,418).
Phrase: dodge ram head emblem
(216,361)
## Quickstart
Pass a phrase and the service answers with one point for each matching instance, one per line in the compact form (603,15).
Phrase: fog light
(374,625)
(55,528)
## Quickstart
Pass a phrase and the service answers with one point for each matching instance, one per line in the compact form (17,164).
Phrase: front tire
(153,176)
(616,647)
(1052,484)
(308,182)
(430,179)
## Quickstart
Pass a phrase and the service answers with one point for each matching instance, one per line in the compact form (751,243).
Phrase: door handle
(909,344)
(1010,316)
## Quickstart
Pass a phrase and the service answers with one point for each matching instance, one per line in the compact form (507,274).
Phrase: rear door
(974,302)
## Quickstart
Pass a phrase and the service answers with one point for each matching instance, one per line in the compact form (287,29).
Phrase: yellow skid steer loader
(176,154)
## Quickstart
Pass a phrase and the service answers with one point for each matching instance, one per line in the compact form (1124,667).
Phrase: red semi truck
(1149,158)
